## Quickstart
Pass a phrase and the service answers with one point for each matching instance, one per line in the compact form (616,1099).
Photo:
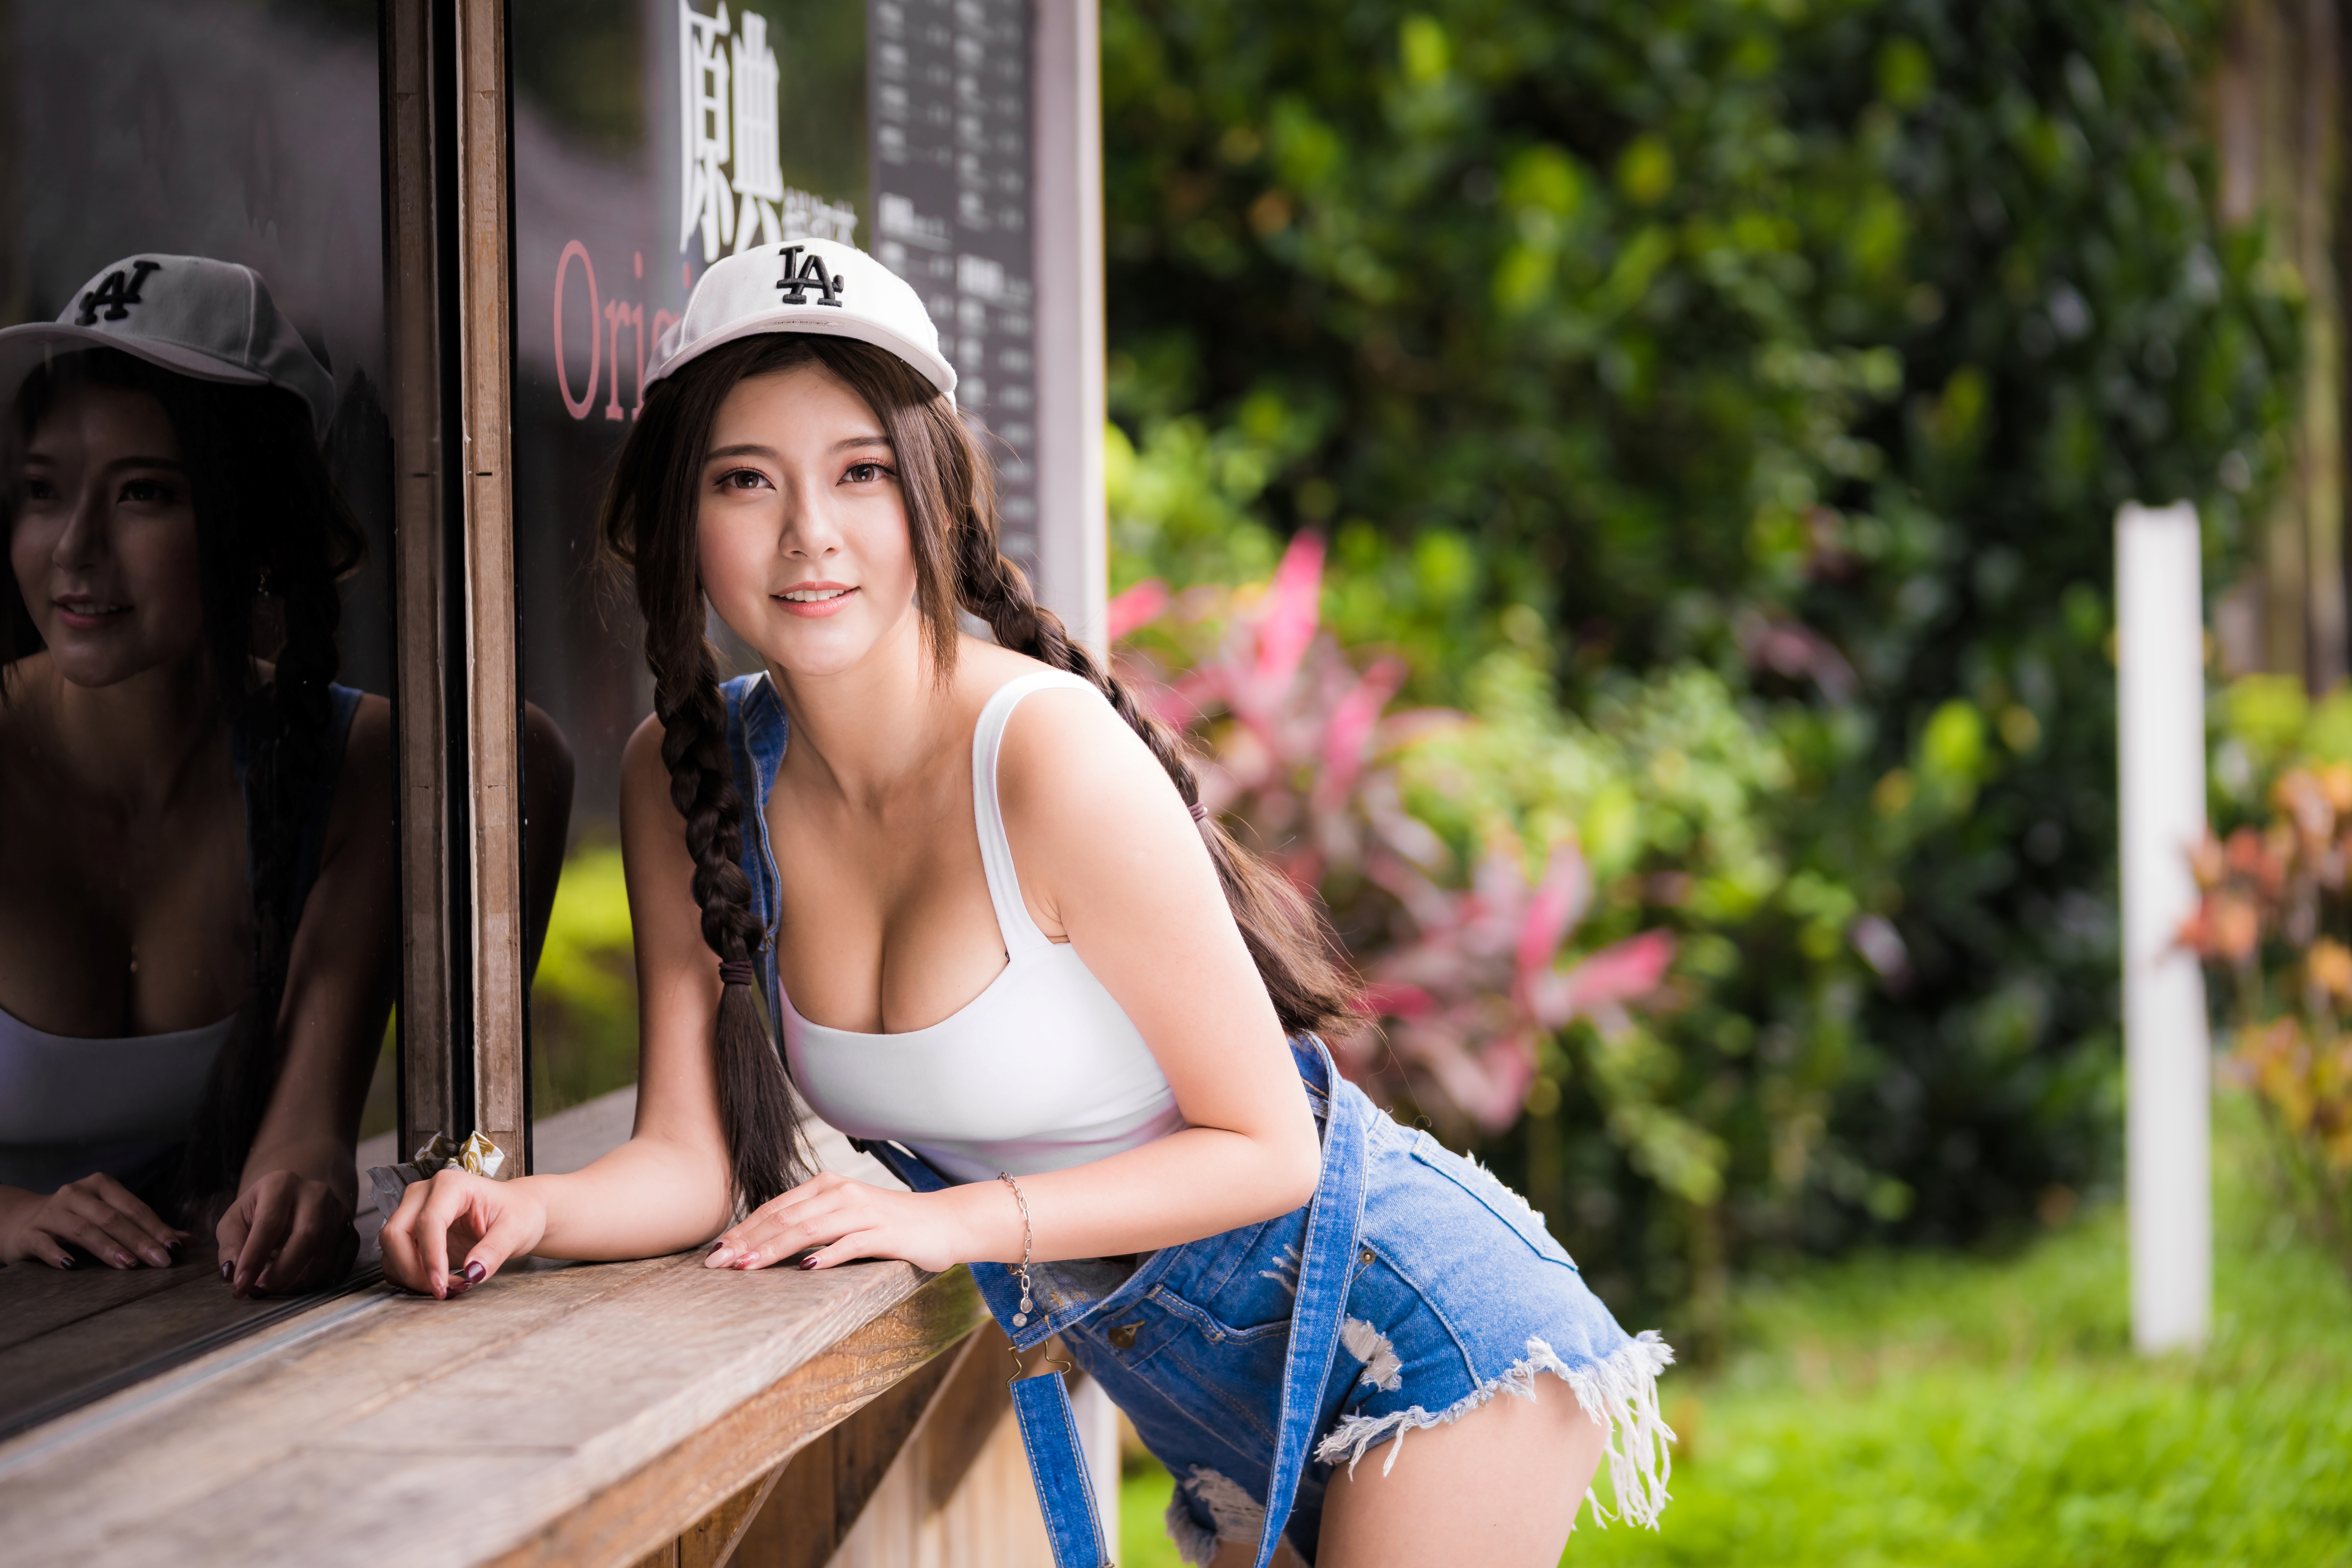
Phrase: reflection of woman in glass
(197,926)
(971,883)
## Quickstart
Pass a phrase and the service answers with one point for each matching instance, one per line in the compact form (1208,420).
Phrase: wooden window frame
(463,1067)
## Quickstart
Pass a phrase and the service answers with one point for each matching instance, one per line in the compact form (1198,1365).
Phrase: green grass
(1959,1411)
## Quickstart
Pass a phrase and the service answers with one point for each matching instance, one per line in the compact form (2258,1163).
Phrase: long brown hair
(649,522)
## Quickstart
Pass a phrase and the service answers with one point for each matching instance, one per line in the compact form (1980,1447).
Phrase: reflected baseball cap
(805,286)
(211,320)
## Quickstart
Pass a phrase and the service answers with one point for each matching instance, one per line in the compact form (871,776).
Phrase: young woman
(968,882)
(196,932)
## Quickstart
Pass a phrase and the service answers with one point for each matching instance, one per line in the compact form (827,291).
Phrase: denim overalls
(1409,1290)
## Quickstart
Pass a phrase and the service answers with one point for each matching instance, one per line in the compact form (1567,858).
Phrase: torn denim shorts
(1457,1294)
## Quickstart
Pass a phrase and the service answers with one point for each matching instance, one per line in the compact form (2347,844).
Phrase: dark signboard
(952,172)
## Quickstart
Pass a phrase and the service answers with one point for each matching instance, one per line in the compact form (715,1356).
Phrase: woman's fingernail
(123,1259)
(810,1261)
(228,1266)
(721,1257)
(476,1273)
(64,1261)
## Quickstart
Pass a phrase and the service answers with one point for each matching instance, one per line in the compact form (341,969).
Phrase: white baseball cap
(805,286)
(211,320)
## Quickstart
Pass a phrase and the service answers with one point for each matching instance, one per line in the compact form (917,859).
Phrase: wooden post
(2160,725)
(428,1020)
(493,704)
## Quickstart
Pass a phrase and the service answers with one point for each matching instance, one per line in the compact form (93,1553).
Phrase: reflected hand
(481,1221)
(843,1219)
(97,1214)
(286,1233)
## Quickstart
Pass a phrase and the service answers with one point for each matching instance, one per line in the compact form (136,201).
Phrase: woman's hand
(480,1221)
(845,1218)
(97,1214)
(286,1233)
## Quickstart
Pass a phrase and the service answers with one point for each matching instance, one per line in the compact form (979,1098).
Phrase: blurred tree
(1814,341)
(2278,114)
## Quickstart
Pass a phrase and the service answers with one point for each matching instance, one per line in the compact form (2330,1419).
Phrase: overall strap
(1327,1268)
(1021,934)
(1049,1432)
(1065,1491)
(1326,1259)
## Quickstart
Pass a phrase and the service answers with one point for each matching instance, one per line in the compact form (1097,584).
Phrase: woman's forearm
(645,1199)
(1199,1182)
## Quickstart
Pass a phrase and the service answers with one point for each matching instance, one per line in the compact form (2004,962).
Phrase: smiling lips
(84,613)
(815,600)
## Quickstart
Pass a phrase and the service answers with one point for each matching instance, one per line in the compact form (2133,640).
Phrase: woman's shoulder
(366,769)
(1067,753)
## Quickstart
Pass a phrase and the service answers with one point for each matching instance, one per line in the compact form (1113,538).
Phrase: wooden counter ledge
(575,1415)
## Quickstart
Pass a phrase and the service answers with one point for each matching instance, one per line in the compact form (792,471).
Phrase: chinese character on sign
(759,178)
(729,98)
(703,145)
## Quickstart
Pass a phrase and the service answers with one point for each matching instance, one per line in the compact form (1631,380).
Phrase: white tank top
(1041,1071)
(70,1106)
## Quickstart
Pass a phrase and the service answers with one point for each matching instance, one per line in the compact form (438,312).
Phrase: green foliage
(1811,343)
(1668,786)
(1926,1408)
(583,998)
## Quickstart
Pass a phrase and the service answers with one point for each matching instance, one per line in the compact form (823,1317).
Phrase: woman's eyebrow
(120,463)
(847,442)
(743,449)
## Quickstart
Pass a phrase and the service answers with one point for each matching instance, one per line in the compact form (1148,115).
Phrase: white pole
(2167,1057)
(1067,210)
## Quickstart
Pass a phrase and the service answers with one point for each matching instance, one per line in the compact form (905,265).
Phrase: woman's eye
(865,473)
(742,479)
(149,492)
(39,489)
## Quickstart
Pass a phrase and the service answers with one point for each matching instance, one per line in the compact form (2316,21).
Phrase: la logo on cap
(811,275)
(116,294)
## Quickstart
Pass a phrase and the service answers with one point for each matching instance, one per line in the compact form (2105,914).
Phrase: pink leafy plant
(1462,983)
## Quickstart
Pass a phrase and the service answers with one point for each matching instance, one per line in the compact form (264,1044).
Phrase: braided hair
(273,535)
(649,524)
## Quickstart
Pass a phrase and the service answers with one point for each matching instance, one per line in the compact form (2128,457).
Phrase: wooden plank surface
(469,1431)
(619,1523)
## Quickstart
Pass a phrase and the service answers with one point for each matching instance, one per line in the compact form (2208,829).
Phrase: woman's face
(104,547)
(802,534)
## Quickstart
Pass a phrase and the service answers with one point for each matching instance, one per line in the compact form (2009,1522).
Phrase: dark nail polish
(228,1268)
(64,1261)
(809,1262)
(476,1273)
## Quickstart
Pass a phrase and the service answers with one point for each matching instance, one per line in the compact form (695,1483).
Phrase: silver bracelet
(1021,1269)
